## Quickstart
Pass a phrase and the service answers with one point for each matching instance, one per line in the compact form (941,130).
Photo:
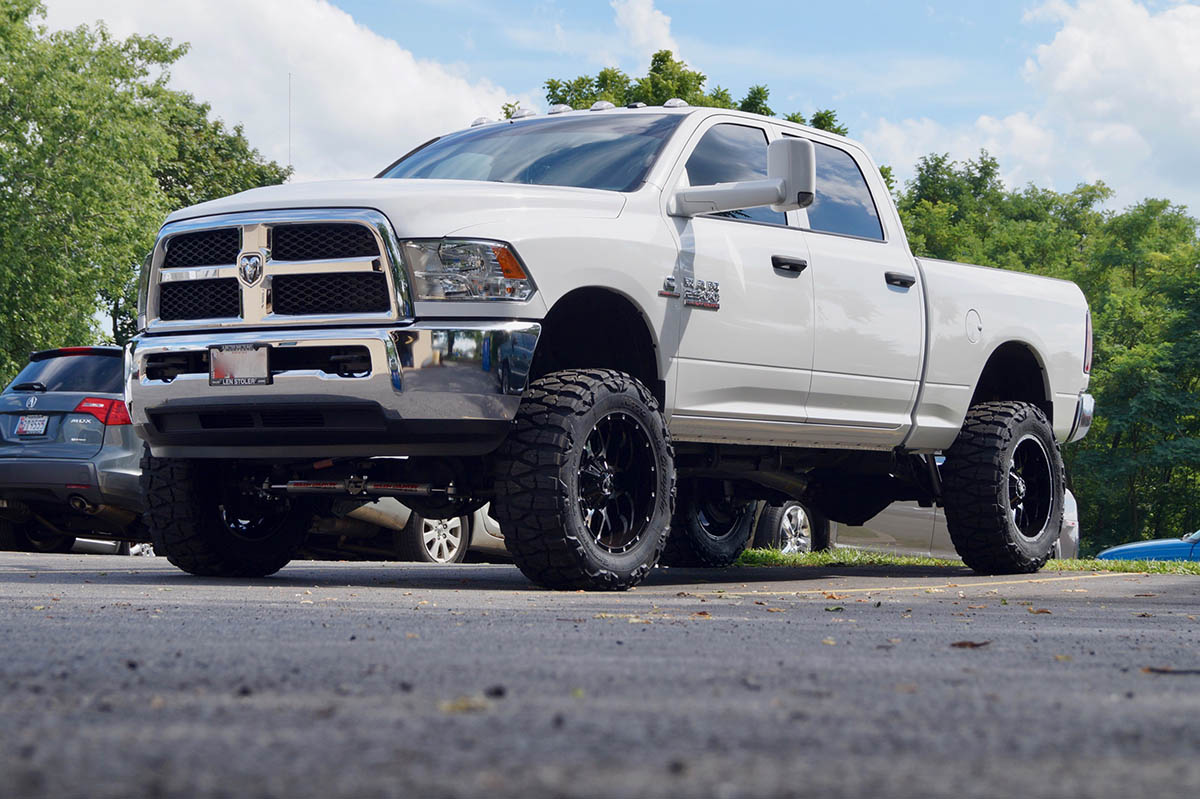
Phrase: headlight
(462,269)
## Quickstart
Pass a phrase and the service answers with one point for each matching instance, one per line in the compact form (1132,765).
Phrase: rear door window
(728,153)
(99,374)
(843,202)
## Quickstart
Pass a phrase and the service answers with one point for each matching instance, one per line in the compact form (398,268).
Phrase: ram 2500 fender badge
(702,294)
(668,289)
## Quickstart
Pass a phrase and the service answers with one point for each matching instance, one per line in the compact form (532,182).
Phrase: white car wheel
(795,530)
(442,539)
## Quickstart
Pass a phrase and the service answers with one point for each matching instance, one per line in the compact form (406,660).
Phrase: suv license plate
(32,425)
(238,365)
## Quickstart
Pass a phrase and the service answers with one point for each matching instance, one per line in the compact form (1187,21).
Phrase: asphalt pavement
(123,677)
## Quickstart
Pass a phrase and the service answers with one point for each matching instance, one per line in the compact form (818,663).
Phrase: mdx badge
(250,267)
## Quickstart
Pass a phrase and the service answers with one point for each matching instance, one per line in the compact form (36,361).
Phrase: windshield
(94,373)
(1192,537)
(611,152)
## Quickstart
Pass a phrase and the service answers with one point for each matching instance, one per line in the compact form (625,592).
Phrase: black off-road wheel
(792,528)
(1002,487)
(208,519)
(710,530)
(585,481)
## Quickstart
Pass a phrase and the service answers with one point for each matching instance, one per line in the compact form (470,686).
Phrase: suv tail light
(1087,346)
(108,411)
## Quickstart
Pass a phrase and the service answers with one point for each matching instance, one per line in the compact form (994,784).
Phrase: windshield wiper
(31,386)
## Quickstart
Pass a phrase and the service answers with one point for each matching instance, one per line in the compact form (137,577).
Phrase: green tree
(94,150)
(79,202)
(1137,472)
(755,101)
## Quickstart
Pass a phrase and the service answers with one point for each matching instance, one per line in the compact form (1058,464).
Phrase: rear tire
(585,481)
(709,530)
(47,542)
(1002,487)
(204,521)
(434,540)
(8,536)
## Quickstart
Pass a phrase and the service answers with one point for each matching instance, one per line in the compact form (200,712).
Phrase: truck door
(746,295)
(869,324)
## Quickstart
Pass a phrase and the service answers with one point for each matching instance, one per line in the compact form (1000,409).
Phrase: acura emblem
(250,267)
(29,403)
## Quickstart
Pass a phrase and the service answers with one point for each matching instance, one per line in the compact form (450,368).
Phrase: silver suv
(68,453)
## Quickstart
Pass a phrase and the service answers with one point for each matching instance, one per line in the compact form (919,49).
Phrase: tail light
(1087,346)
(108,411)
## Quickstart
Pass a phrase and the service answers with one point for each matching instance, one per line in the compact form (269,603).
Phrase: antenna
(289,120)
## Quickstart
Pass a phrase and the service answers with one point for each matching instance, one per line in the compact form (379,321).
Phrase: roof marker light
(559,108)
(675,102)
(601,105)
(480,121)
(521,113)
(636,105)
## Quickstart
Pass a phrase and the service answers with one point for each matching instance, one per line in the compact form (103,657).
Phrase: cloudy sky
(1061,91)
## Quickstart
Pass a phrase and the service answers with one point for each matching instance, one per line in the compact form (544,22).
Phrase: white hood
(420,208)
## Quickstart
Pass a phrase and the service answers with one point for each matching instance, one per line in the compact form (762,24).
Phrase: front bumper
(432,389)
(1085,410)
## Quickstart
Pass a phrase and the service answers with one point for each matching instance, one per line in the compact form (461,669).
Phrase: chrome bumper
(448,388)
(1084,411)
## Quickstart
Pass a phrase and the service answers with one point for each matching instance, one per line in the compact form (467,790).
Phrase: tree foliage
(94,150)
(1138,471)
(668,78)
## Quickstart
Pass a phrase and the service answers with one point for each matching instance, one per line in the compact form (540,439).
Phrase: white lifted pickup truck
(619,326)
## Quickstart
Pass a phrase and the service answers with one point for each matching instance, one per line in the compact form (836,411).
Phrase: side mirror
(790,184)
(793,161)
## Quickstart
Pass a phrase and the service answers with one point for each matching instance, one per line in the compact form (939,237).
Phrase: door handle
(899,279)
(787,264)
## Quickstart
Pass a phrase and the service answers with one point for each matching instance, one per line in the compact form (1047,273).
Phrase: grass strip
(858,557)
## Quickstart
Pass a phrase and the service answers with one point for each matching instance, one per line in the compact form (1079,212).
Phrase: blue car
(1162,549)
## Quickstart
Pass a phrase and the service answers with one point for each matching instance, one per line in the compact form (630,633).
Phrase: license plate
(238,365)
(32,425)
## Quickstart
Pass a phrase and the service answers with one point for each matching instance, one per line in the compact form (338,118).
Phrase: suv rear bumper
(47,481)
(432,389)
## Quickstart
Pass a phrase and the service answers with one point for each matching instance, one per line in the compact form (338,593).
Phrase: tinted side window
(843,203)
(98,373)
(730,153)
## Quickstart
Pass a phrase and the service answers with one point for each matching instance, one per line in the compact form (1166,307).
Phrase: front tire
(208,521)
(585,481)
(1002,487)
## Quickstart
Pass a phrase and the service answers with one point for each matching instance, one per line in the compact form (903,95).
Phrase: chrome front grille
(328,266)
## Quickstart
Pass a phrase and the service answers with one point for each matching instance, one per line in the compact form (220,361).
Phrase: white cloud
(1119,101)
(647,29)
(641,30)
(359,100)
